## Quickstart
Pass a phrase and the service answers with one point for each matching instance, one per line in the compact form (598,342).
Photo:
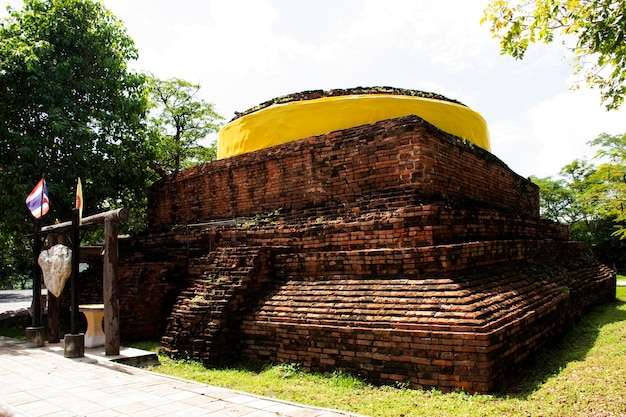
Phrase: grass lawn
(585,375)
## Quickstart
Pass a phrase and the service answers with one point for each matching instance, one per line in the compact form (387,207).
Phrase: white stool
(94,313)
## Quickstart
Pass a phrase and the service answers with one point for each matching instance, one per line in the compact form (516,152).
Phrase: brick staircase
(204,323)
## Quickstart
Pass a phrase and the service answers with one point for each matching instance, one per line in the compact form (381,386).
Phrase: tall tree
(608,192)
(69,108)
(179,119)
(598,28)
(565,199)
(557,200)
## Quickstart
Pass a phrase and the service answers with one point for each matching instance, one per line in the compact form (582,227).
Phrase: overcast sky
(244,52)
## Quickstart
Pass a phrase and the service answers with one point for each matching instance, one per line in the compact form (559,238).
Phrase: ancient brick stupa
(395,247)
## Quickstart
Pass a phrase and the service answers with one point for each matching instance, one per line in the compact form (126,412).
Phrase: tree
(590,198)
(563,199)
(597,26)
(178,120)
(608,193)
(15,260)
(556,200)
(69,108)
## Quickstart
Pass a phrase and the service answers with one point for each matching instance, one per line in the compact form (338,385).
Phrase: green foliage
(69,108)
(16,258)
(178,120)
(608,193)
(564,199)
(596,26)
(557,200)
(14,332)
(590,199)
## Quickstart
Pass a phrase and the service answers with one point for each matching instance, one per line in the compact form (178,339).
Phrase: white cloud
(565,123)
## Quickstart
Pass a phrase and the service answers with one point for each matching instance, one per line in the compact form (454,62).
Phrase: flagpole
(37,276)
(43,186)
(34,334)
(37,270)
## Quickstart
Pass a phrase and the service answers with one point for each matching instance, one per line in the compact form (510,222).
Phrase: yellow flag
(79,199)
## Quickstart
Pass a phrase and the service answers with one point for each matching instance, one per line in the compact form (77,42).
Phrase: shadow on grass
(574,346)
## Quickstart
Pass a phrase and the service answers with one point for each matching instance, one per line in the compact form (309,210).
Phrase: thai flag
(37,201)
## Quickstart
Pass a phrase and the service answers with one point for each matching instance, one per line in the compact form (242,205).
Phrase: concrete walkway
(42,382)
(13,300)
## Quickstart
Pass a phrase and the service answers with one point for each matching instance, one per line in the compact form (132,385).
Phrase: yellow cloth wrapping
(281,123)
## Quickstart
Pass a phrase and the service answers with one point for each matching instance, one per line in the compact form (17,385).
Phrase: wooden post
(54,309)
(74,342)
(110,289)
(75,269)
(54,332)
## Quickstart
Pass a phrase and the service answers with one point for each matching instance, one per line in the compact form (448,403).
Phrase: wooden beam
(116,215)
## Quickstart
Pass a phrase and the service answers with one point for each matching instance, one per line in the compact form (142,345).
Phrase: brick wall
(392,250)
(394,315)
(403,156)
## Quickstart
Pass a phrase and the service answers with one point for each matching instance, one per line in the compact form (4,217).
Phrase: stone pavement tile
(261,413)
(108,413)
(241,399)
(210,406)
(19,398)
(307,412)
(261,404)
(172,407)
(131,409)
(112,401)
(86,408)
(192,411)
(237,410)
(39,408)
(198,399)
(178,395)
(282,409)
(62,413)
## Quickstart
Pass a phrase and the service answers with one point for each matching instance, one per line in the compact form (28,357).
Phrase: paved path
(42,382)
(13,300)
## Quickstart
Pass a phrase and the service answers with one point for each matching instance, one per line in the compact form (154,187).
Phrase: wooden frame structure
(109,220)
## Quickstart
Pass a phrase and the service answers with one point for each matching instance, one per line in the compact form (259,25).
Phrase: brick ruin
(393,251)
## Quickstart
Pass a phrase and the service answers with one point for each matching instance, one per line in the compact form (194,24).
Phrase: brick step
(418,261)
(394,227)
(471,298)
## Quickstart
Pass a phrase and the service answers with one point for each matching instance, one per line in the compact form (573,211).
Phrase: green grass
(15,332)
(583,376)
